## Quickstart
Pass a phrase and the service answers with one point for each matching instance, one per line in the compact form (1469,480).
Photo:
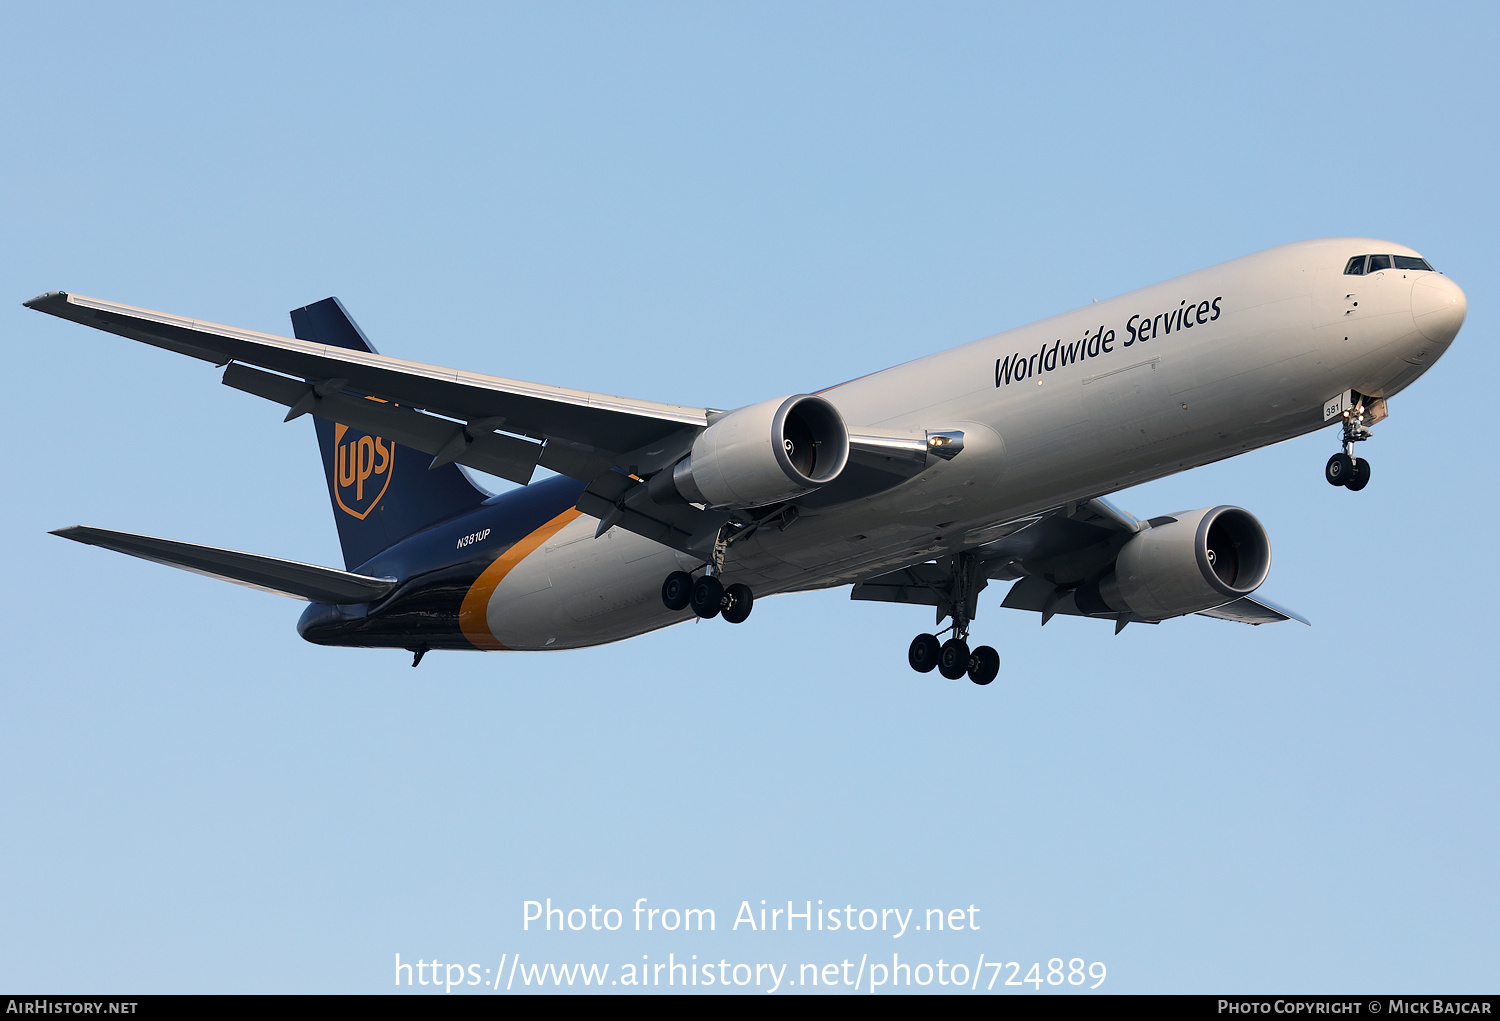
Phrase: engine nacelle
(764,454)
(1197,561)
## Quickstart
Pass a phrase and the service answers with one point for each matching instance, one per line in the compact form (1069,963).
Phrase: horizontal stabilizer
(283,577)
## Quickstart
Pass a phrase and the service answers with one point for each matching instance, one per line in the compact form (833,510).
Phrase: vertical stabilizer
(381,491)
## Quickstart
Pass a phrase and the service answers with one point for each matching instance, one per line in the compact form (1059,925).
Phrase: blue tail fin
(381,491)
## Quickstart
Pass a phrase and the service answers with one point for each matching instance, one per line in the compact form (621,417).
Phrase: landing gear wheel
(707,597)
(1359,475)
(677,590)
(1340,468)
(984,665)
(953,659)
(923,654)
(738,600)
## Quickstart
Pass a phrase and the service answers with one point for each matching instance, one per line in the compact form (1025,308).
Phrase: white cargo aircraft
(919,484)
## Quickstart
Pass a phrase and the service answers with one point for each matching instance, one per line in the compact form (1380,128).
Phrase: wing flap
(930,584)
(617,499)
(506,456)
(920,584)
(269,574)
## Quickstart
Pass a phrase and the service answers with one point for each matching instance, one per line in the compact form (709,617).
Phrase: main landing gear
(952,658)
(1344,469)
(709,596)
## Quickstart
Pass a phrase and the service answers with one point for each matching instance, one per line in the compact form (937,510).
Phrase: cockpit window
(1362,264)
(1409,262)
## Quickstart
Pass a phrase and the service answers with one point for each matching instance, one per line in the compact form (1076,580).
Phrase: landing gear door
(1336,407)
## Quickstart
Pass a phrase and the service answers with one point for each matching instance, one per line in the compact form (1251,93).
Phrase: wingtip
(1288,614)
(44,299)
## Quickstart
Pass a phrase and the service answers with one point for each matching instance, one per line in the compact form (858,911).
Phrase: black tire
(739,600)
(707,598)
(984,665)
(953,659)
(1340,468)
(677,590)
(1359,477)
(923,654)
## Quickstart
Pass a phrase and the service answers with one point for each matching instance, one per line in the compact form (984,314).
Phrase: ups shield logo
(362,469)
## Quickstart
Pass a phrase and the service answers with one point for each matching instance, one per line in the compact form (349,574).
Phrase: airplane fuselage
(1157,381)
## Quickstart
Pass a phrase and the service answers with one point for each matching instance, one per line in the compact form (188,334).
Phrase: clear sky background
(716,204)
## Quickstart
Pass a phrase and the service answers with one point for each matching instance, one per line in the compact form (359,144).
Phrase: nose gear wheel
(1340,467)
(1359,475)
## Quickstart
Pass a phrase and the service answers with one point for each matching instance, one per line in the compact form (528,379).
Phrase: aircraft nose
(1438,305)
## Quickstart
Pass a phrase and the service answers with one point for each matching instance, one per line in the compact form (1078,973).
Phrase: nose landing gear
(1344,469)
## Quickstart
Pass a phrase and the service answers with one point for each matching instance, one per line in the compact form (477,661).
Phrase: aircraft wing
(506,427)
(283,577)
(1048,556)
(1248,610)
(573,432)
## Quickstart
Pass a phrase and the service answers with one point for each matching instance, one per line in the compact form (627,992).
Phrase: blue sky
(714,204)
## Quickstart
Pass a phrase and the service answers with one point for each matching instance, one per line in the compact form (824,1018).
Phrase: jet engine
(761,454)
(1189,562)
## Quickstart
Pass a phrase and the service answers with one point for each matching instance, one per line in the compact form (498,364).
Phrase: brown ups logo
(362,469)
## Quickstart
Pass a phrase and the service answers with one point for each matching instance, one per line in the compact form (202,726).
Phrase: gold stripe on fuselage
(473,615)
